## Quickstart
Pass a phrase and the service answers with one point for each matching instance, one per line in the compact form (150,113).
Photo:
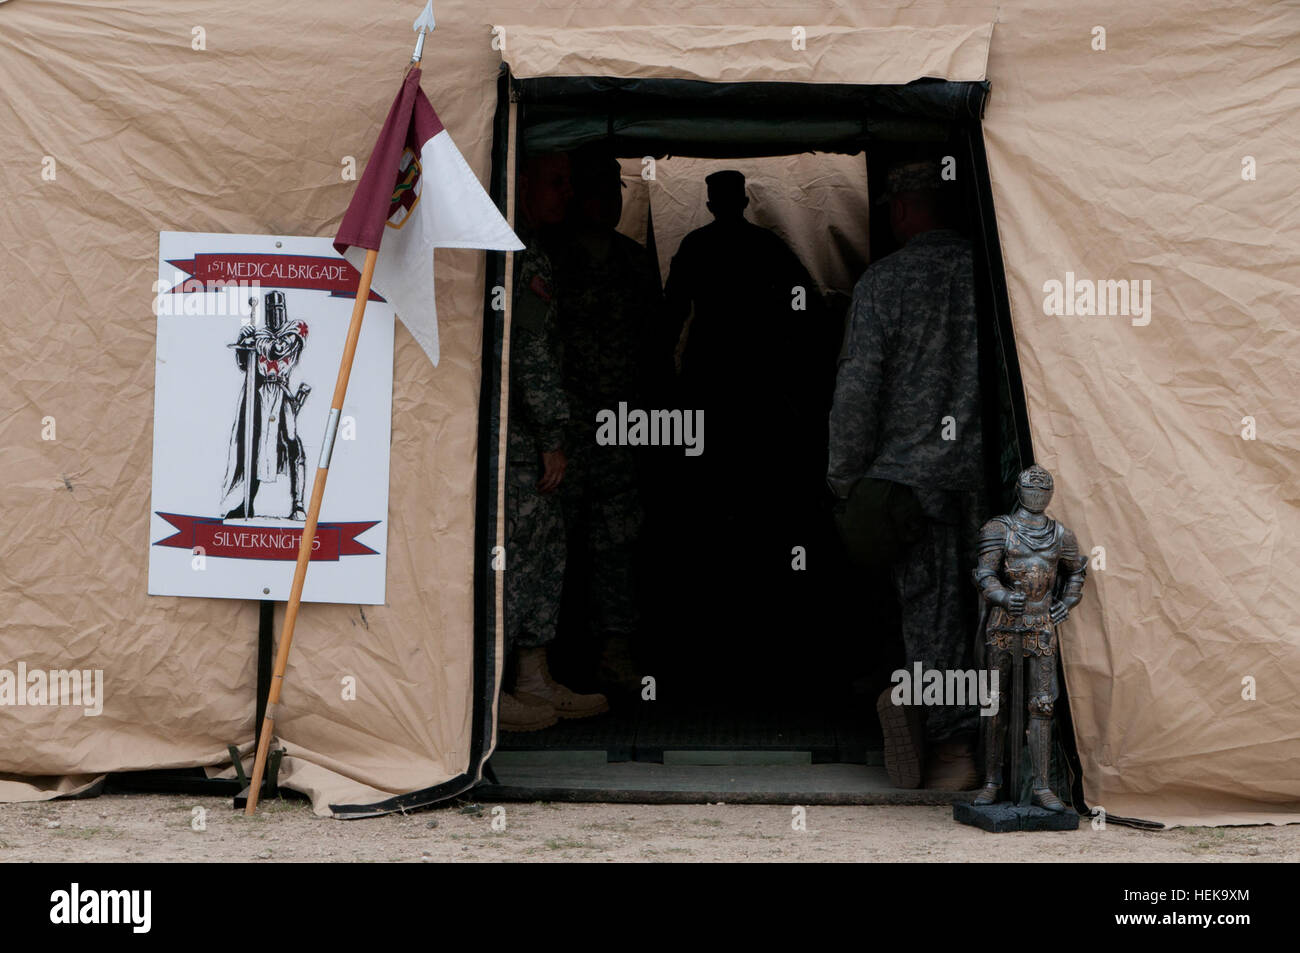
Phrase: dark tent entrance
(764,647)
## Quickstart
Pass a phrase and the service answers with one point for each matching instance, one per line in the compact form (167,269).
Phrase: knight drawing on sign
(274,443)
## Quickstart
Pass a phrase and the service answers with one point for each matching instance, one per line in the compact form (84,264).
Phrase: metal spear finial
(422,25)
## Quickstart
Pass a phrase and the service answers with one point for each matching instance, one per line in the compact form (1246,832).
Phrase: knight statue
(1030,575)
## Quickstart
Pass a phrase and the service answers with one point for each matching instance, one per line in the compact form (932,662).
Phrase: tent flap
(686,117)
(864,56)
(931,99)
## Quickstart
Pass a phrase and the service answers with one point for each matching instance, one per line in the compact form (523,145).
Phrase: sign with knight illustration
(250,331)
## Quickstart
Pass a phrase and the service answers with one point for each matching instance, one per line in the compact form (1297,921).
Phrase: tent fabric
(871,56)
(19,789)
(127,112)
(1122,163)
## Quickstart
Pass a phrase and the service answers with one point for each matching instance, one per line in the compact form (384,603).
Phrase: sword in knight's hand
(252,323)
(250,390)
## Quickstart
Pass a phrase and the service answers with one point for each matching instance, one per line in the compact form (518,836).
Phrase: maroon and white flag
(417,194)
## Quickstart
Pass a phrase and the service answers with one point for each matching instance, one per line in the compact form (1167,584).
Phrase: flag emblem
(418,184)
(406,191)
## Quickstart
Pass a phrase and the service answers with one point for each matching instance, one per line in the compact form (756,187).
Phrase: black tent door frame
(880,113)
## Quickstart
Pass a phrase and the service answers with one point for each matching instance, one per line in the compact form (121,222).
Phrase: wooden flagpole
(423,24)
(309,529)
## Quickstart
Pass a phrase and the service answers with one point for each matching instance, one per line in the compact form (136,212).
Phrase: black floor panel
(835,729)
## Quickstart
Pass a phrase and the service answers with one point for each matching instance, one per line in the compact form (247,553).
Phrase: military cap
(920,175)
(727,181)
(593,159)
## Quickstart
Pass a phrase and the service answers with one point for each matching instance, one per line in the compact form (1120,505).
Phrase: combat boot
(535,682)
(950,766)
(904,733)
(617,672)
(515,715)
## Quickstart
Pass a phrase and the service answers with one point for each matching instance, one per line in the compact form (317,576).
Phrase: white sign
(252,328)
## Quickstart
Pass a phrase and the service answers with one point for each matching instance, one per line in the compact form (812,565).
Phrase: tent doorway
(759,669)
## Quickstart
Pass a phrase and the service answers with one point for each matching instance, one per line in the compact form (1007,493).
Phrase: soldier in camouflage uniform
(535,468)
(609,298)
(906,411)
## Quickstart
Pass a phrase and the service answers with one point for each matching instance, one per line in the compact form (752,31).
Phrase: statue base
(1004,816)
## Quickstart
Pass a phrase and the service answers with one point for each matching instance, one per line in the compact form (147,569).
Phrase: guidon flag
(418,193)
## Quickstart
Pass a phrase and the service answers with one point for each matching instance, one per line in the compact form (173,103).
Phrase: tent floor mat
(837,730)
(581,780)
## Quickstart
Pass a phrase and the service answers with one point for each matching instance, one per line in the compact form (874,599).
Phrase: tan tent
(1122,143)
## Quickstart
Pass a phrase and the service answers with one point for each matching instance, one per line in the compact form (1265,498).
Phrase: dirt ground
(161,828)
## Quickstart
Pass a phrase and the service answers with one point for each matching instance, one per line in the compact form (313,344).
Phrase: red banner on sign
(216,537)
(315,272)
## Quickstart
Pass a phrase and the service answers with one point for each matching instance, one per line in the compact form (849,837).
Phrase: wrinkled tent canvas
(1124,163)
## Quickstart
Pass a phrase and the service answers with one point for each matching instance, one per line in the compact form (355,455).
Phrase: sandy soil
(159,828)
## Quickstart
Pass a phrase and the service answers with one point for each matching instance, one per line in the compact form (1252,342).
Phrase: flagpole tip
(425,20)
(423,24)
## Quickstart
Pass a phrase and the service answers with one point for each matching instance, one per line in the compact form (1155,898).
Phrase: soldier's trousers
(603,515)
(931,580)
(534,560)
